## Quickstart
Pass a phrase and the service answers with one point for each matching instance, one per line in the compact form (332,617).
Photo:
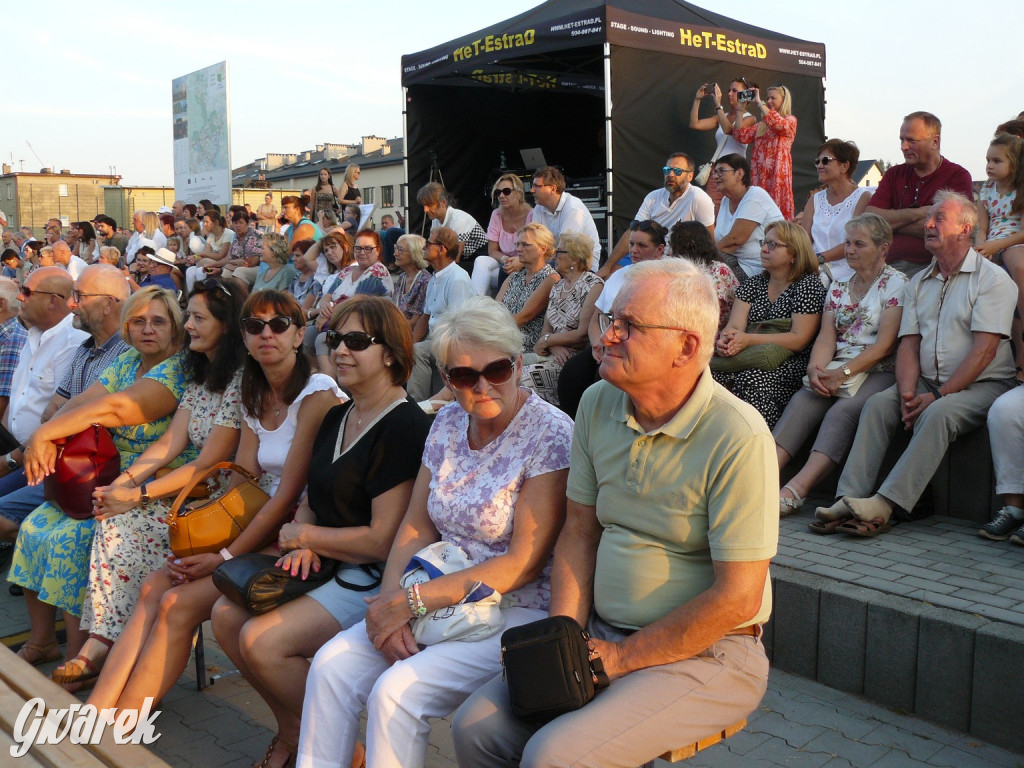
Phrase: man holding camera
(664,555)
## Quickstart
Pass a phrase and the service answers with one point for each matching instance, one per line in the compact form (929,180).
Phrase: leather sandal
(788,506)
(40,654)
(77,670)
(828,527)
(865,529)
(289,760)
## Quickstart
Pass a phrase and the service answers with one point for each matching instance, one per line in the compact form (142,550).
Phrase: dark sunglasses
(254,326)
(354,341)
(505,191)
(27,292)
(464,377)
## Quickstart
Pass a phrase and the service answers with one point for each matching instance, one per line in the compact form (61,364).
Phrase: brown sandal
(289,761)
(865,529)
(40,654)
(828,527)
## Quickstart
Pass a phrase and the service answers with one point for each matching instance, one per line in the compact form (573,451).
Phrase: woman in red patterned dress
(771,161)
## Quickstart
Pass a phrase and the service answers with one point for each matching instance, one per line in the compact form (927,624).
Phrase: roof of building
(310,163)
(863,167)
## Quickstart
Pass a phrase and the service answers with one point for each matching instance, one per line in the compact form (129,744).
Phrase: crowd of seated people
(226,339)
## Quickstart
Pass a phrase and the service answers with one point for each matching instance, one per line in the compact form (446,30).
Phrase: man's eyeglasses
(254,326)
(78,295)
(27,292)
(464,377)
(504,191)
(669,170)
(621,327)
(354,341)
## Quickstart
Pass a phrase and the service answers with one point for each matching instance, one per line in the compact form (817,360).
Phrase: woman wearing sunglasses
(365,459)
(828,210)
(493,483)
(283,405)
(131,539)
(511,214)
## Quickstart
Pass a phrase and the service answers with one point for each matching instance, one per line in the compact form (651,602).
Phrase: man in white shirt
(677,200)
(437,206)
(450,287)
(560,211)
(63,257)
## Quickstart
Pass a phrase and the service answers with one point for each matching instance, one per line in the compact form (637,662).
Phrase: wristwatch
(846,371)
(144,494)
(821,257)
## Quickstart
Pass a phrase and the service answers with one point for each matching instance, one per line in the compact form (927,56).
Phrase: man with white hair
(671,521)
(952,363)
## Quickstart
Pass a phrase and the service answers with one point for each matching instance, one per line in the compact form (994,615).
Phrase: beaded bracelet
(132,477)
(411,600)
(420,609)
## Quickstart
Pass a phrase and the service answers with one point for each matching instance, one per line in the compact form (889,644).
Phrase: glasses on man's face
(354,341)
(771,245)
(139,324)
(669,170)
(78,295)
(254,326)
(497,372)
(364,248)
(824,161)
(504,191)
(621,327)
(27,292)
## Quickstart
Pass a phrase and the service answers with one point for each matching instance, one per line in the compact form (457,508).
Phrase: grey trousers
(422,370)
(637,718)
(838,417)
(940,424)
(1006,436)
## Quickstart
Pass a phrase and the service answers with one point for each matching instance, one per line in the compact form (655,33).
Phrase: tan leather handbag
(210,525)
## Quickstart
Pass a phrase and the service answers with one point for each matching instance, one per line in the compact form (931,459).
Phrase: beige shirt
(703,487)
(946,312)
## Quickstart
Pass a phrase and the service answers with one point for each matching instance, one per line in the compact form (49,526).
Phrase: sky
(93,93)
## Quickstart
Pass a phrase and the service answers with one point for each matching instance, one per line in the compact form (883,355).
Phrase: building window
(62,190)
(10,191)
(368,194)
(387,196)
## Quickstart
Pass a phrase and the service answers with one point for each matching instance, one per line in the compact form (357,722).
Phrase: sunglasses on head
(464,377)
(254,326)
(354,341)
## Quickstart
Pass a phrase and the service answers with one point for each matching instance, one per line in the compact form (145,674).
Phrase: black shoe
(1002,525)
(1018,537)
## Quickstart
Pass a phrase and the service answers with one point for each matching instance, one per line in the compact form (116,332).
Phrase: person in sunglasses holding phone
(493,483)
(365,459)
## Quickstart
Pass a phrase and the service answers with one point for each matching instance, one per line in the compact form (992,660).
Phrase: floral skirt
(125,550)
(51,557)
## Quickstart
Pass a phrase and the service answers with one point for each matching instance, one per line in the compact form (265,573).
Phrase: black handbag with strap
(548,668)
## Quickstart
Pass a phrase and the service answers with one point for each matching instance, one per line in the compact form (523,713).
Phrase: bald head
(61,252)
(51,279)
(45,303)
(103,278)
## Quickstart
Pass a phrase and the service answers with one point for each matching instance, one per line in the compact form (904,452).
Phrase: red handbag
(84,461)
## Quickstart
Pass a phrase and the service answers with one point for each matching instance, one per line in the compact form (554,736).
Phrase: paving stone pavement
(800,723)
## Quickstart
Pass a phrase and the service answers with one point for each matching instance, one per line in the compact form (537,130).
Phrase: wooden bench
(689,750)
(20,682)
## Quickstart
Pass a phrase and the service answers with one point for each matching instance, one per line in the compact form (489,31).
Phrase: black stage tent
(602,88)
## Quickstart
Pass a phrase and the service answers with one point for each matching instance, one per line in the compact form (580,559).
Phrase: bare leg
(41,646)
(168,646)
(129,646)
(817,468)
(782,455)
(8,530)
(76,637)
(271,653)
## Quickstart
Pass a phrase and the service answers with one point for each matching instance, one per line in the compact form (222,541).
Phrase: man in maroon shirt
(906,192)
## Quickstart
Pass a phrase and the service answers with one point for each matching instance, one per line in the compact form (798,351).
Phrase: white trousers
(348,673)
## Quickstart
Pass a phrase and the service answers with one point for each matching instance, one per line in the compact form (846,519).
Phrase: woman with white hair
(493,484)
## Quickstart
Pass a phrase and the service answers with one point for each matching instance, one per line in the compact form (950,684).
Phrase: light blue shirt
(450,287)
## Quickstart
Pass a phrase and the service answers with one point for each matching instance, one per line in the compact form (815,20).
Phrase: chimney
(372,144)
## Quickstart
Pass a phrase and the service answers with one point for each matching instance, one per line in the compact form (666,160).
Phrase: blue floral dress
(51,556)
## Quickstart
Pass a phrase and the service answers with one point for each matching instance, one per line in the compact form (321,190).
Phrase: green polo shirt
(702,487)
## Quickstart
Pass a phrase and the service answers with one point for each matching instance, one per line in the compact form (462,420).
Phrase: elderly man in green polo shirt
(672,520)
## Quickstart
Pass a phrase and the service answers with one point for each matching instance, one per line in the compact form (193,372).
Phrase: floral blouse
(566,302)
(1001,221)
(520,288)
(725,283)
(857,323)
(374,281)
(410,300)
